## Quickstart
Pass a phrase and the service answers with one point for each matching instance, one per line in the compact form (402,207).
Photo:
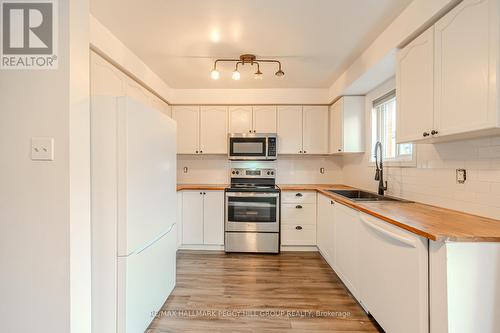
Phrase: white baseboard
(202,247)
(311,248)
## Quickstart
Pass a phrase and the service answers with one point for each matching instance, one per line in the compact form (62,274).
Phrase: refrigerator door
(145,280)
(147,199)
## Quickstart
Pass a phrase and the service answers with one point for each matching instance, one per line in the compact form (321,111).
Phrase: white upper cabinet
(315,129)
(415,90)
(264,119)
(303,130)
(201,130)
(240,119)
(347,125)
(188,126)
(466,57)
(290,129)
(461,51)
(256,119)
(213,130)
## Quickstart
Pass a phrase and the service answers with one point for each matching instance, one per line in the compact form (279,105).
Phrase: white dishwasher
(394,276)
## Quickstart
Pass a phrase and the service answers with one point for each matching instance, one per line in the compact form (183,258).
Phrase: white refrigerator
(134,204)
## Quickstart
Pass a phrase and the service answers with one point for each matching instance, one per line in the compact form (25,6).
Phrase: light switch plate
(42,149)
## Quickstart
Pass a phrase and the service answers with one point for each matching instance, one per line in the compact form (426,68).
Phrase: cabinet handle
(201,193)
(298,207)
(249,131)
(425,134)
(434,132)
(298,194)
(332,202)
(254,131)
(305,152)
(197,152)
(339,149)
(298,227)
(204,193)
(300,151)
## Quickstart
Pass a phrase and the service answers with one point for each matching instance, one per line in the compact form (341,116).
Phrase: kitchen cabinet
(415,90)
(394,276)
(315,130)
(348,254)
(347,125)
(264,119)
(303,130)
(462,51)
(256,119)
(203,217)
(201,130)
(298,218)
(213,130)
(325,229)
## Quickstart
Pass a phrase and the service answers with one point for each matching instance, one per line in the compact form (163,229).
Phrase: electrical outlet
(461,176)
(42,149)
(186,169)
(322,170)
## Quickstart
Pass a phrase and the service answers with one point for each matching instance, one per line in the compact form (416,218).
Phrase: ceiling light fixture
(243,60)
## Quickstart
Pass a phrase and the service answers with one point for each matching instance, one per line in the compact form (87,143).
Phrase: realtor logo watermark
(29,34)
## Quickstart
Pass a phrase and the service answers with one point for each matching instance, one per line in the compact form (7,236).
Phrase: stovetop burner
(253,180)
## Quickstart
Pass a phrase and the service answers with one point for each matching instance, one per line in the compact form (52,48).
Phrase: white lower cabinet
(325,229)
(347,240)
(202,217)
(383,266)
(298,218)
(394,276)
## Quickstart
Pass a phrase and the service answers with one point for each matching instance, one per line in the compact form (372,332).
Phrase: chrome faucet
(379,172)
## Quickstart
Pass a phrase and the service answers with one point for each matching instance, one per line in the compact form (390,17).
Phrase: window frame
(375,128)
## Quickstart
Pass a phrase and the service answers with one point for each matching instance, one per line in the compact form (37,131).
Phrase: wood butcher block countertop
(434,223)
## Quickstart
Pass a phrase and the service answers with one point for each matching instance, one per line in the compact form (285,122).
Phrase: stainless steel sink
(357,195)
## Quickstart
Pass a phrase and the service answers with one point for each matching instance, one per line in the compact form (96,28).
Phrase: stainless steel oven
(250,146)
(252,212)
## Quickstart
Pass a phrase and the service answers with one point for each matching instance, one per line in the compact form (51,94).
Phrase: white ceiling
(316,40)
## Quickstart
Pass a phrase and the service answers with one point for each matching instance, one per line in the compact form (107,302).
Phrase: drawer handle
(298,227)
(332,202)
(298,207)
(298,194)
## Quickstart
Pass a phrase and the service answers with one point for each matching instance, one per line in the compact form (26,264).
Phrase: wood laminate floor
(290,292)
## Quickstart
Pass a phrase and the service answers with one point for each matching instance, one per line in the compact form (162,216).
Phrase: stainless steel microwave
(252,146)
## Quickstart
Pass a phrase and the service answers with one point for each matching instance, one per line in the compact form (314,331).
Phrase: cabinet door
(394,276)
(240,119)
(192,217)
(213,130)
(324,233)
(415,88)
(336,128)
(264,119)
(290,129)
(188,128)
(213,218)
(315,129)
(347,252)
(466,68)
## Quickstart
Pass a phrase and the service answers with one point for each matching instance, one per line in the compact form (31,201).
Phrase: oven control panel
(253,173)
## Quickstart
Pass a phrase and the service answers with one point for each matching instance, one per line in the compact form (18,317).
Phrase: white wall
(433,181)
(290,169)
(44,279)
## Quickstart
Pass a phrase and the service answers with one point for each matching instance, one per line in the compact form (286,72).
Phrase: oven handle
(252,194)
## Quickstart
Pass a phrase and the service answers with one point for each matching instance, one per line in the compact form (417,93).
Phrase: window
(384,130)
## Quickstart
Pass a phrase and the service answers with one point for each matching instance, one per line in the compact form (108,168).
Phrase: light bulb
(280,73)
(215,74)
(236,75)
(258,75)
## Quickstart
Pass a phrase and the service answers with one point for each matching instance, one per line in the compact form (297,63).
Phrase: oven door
(248,148)
(252,211)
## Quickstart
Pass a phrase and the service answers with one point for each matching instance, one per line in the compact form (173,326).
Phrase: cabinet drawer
(298,234)
(298,213)
(298,197)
